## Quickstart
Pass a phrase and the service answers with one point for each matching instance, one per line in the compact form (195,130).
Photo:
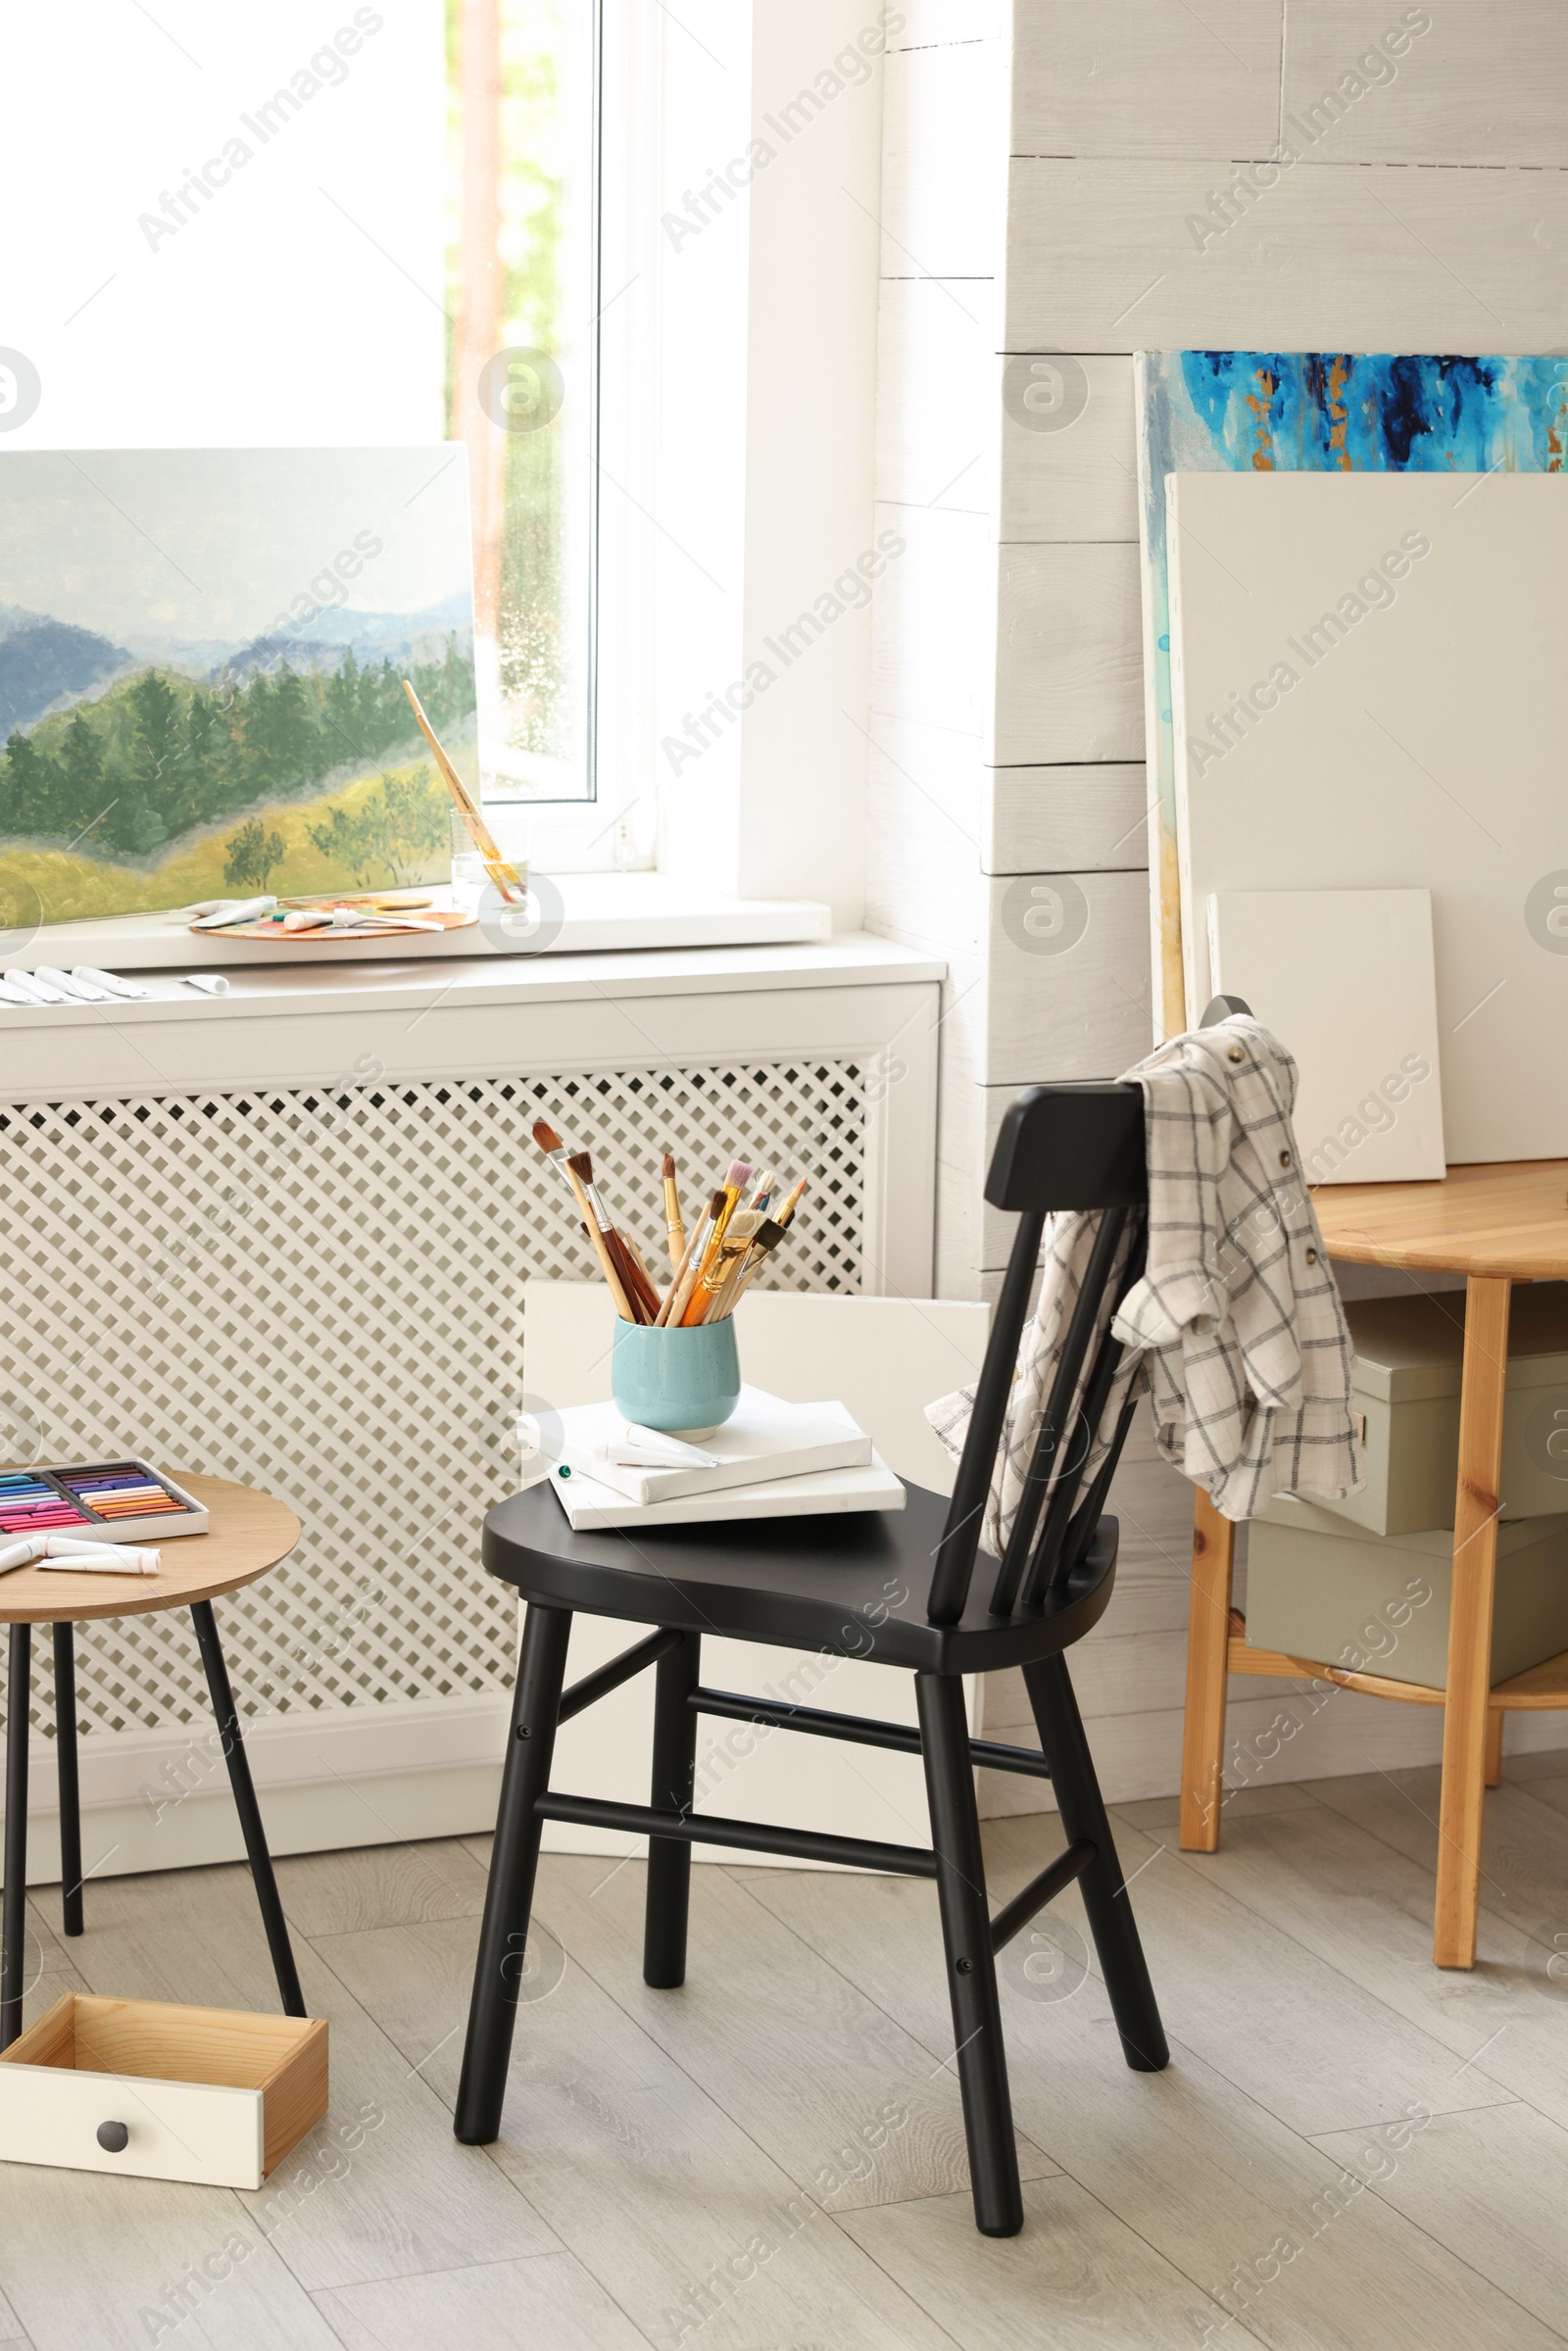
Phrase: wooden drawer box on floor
(1320,1589)
(209,2094)
(1409,1356)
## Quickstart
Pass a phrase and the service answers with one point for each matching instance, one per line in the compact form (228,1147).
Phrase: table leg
(1475,1567)
(250,1812)
(14,1902)
(1495,1718)
(1207,1636)
(69,1787)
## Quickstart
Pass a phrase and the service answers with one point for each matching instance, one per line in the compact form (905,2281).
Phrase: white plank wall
(1006,730)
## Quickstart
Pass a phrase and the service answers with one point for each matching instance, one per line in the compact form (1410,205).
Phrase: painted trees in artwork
(252,854)
(162,755)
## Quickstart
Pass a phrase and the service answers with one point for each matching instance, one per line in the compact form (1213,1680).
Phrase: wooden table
(247,1533)
(1496,1225)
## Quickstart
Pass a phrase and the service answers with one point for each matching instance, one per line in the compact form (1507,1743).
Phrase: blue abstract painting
(1309,411)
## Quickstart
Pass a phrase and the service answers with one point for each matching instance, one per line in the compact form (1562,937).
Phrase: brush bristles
(544,1136)
(581,1164)
(739,1176)
(668,1171)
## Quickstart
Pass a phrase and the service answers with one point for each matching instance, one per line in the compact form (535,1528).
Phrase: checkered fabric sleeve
(1236,1326)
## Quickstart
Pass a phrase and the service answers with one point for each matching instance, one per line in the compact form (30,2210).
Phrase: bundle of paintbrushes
(740,1225)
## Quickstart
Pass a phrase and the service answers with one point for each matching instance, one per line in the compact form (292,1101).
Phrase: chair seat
(855,1585)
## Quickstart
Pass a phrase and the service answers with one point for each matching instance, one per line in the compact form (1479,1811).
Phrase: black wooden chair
(890,1586)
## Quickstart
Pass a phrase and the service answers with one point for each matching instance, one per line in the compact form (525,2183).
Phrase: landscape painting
(201,655)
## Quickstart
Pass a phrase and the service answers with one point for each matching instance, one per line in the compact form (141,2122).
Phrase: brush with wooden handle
(738,1176)
(726,1261)
(691,1266)
(767,1240)
(636,1284)
(506,879)
(555,1150)
(672,1217)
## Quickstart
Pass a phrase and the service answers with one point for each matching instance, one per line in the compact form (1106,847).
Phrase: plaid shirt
(1236,1329)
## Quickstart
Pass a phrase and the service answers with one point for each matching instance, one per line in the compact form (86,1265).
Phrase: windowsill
(577,913)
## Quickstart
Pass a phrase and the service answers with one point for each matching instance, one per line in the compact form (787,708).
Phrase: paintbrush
(767,1240)
(792,1200)
(638,1288)
(555,1150)
(739,1175)
(691,1264)
(726,1259)
(506,879)
(673,1217)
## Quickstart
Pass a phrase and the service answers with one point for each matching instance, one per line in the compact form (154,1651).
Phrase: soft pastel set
(115,1502)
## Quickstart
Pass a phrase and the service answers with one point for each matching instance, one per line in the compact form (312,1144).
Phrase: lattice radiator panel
(321,1293)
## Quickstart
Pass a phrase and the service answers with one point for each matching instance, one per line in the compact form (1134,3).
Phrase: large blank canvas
(1370,693)
(1344,980)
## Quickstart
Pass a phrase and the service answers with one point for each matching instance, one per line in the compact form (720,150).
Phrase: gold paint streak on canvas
(1259,404)
(1172,977)
(1338,414)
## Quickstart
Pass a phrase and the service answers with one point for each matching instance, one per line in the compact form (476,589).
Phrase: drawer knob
(113,2137)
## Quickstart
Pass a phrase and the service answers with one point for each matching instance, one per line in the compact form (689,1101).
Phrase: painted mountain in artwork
(45,661)
(320,642)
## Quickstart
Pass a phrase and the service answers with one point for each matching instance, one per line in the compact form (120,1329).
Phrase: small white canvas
(1345,979)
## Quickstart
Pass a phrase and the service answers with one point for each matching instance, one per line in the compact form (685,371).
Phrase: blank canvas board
(1370,693)
(1344,980)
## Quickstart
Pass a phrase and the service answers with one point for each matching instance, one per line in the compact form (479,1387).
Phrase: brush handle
(668,1312)
(695,1305)
(506,879)
(607,1263)
(673,1226)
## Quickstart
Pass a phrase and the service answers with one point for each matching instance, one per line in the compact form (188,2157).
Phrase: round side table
(247,1533)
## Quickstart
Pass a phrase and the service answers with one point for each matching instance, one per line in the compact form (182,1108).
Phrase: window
(523,286)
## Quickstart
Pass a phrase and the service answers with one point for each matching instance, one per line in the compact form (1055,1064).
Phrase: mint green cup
(684,1382)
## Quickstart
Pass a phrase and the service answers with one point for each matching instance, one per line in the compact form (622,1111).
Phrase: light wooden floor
(1349,2150)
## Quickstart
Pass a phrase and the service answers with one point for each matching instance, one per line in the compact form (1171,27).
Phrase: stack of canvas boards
(1371,1575)
(771,1459)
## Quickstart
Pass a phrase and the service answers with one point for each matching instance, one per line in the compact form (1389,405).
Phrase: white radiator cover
(285,1237)
(322,1293)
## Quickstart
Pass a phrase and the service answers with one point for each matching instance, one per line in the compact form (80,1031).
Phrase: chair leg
(14,1902)
(1105,1890)
(69,1787)
(514,1866)
(981,2058)
(673,1789)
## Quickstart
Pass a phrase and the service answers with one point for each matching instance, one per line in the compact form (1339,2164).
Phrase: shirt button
(1311,1256)
(1234,1053)
(1285,1158)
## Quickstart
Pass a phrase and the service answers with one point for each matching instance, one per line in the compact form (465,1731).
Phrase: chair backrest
(1061,1146)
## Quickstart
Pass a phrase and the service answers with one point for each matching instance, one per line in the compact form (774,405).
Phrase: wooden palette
(450,919)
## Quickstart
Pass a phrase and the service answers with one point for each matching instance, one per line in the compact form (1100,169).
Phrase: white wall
(767,408)
(1008,753)
(302,303)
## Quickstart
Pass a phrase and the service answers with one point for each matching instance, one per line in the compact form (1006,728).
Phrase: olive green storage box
(1409,1358)
(1379,1604)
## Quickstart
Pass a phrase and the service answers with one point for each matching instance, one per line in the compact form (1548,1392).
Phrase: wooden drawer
(209,2094)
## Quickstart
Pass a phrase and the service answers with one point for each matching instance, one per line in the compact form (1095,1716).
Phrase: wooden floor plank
(1365,1909)
(1200,2171)
(403,2196)
(119,2264)
(1279,2022)
(1524,1846)
(666,2200)
(1492,2185)
(1076,2280)
(380,1886)
(854,2109)
(547,2304)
